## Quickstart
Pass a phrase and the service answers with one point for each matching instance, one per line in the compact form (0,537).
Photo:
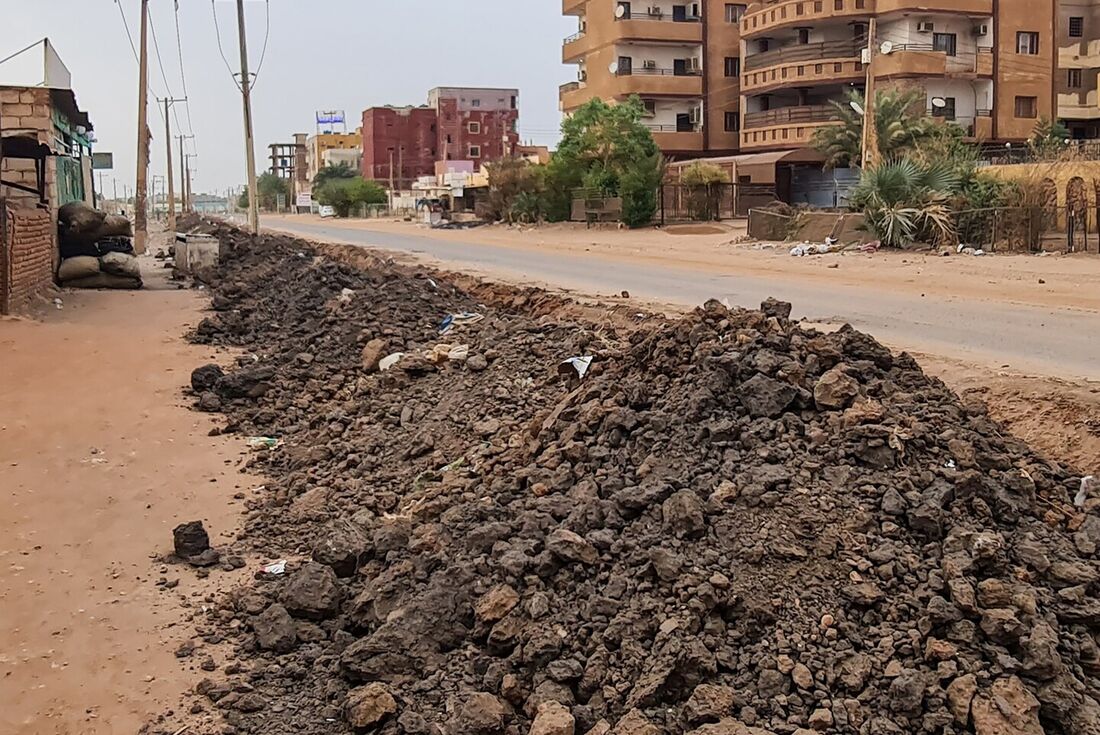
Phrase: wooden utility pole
(250,153)
(141,226)
(187,190)
(869,148)
(168,101)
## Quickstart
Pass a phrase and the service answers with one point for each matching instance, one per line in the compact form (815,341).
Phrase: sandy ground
(99,460)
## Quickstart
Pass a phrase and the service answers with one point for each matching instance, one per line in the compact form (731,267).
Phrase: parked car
(326,211)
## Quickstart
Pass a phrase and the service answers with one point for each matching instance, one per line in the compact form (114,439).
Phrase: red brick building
(457,124)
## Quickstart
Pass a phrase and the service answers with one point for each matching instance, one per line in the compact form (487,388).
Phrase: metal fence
(1079,150)
(1030,229)
(710,202)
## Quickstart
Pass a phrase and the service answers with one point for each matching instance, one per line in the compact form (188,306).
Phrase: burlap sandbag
(115,225)
(105,280)
(120,264)
(83,266)
(80,219)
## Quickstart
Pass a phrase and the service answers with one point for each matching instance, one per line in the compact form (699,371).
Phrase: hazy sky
(321,54)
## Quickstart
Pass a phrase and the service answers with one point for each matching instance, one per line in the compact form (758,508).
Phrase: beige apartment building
(987,65)
(1078,63)
(681,58)
(721,78)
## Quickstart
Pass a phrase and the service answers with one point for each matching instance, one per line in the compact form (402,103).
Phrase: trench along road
(1036,339)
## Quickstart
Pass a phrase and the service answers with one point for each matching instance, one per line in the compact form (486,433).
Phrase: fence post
(661,189)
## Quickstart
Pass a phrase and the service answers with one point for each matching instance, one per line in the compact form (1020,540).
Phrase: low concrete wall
(807,226)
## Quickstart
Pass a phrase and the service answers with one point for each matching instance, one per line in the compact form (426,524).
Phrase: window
(1027,42)
(733,122)
(946,43)
(475,103)
(475,151)
(817,6)
(838,4)
(1027,107)
(513,102)
(947,110)
(473,128)
(1076,27)
(734,12)
(650,107)
(1073,78)
(803,36)
(733,66)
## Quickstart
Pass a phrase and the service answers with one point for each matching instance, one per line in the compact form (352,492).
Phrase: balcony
(806,52)
(978,128)
(645,27)
(574,48)
(677,138)
(786,127)
(767,19)
(573,7)
(931,7)
(572,95)
(833,71)
(655,82)
(920,59)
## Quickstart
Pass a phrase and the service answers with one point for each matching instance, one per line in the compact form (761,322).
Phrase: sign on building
(103,161)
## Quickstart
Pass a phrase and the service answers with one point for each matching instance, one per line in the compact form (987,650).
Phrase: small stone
(275,629)
(552,718)
(368,705)
(496,603)
(372,354)
(190,539)
(570,547)
(821,719)
(477,363)
(802,676)
(960,693)
(835,389)
(1007,709)
(312,592)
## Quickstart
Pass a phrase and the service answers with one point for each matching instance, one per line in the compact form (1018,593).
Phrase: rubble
(733,524)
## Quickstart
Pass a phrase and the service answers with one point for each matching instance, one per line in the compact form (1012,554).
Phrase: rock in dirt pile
(732,525)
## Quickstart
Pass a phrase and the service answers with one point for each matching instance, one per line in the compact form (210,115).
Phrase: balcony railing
(791,115)
(675,128)
(806,52)
(646,15)
(575,37)
(656,72)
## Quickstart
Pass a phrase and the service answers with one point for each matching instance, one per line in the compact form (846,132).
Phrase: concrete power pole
(187,190)
(249,150)
(141,226)
(869,149)
(171,183)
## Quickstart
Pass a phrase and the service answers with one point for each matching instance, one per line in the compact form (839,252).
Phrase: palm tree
(900,122)
(904,201)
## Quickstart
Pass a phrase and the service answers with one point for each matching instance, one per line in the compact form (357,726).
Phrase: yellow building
(317,145)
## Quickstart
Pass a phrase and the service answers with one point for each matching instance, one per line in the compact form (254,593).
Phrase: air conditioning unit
(656,11)
(926,26)
(696,116)
(649,64)
(695,63)
(982,29)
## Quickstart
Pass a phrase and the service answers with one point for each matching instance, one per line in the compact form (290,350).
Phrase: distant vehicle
(326,211)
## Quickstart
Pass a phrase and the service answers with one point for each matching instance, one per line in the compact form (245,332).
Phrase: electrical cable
(267,34)
(218,35)
(126,26)
(183,76)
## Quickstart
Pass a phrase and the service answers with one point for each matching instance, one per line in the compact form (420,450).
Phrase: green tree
(702,173)
(900,121)
(270,186)
(329,173)
(242,200)
(516,189)
(601,145)
(342,194)
(1049,138)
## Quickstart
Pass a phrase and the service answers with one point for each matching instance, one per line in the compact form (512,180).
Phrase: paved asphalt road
(1053,341)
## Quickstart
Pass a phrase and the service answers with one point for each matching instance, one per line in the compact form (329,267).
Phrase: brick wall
(26,111)
(29,253)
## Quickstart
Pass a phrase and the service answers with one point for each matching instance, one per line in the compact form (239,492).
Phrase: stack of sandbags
(96,249)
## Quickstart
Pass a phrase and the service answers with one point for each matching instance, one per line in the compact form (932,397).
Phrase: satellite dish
(887,48)
(613,67)
(939,102)
(620,11)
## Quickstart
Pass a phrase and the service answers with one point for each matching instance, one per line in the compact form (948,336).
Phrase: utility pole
(249,150)
(141,227)
(869,147)
(183,173)
(168,102)
(187,167)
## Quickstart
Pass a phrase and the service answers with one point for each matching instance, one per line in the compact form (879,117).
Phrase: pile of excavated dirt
(731,525)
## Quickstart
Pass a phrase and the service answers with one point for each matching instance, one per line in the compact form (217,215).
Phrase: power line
(267,34)
(183,76)
(218,35)
(163,75)
(133,48)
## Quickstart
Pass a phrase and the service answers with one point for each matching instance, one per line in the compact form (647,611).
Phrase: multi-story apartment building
(322,142)
(457,124)
(987,65)
(1078,63)
(718,78)
(681,58)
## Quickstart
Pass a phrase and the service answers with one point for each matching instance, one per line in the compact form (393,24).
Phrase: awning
(799,155)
